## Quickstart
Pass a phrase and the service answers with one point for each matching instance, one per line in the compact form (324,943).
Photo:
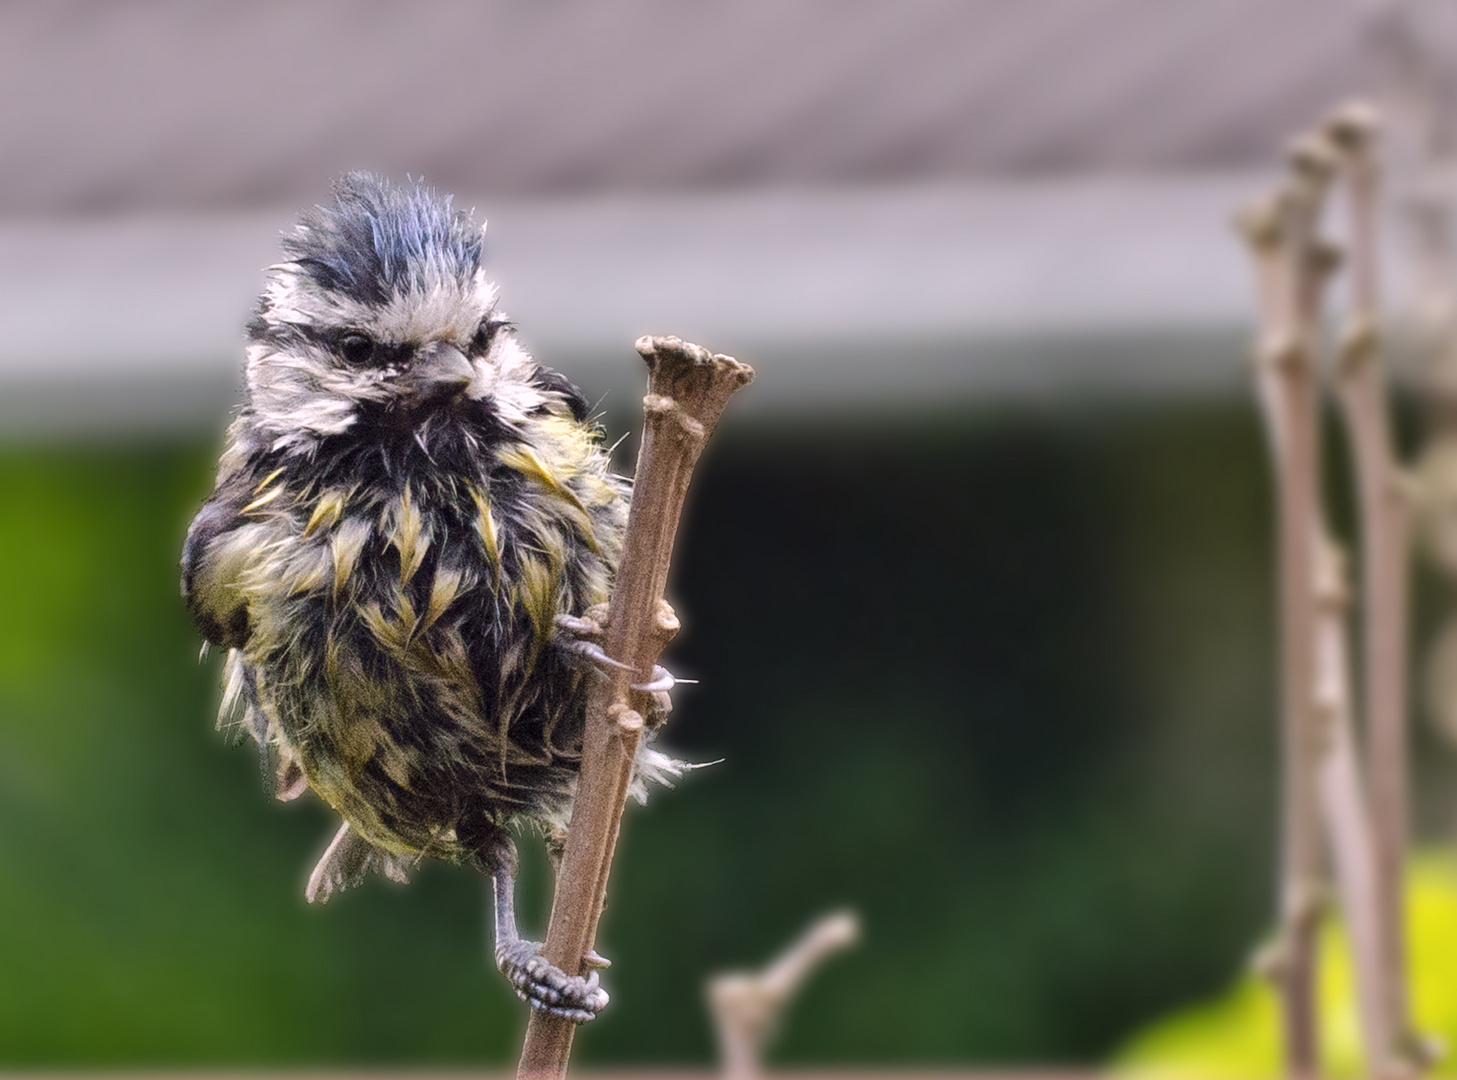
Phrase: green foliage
(1236,1035)
(999,685)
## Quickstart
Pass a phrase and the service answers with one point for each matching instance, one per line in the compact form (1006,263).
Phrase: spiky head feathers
(379,240)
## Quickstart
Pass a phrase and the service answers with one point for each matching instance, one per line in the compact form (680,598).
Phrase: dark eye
(481,343)
(356,350)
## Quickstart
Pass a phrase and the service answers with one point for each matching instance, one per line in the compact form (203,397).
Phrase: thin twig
(1279,235)
(1341,783)
(1385,540)
(747,1007)
(688,388)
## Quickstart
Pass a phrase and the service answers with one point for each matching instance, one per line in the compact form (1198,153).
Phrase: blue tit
(413,526)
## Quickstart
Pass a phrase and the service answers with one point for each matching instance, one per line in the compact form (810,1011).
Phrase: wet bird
(406,556)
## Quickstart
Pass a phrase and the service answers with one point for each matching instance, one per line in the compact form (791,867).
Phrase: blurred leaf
(1237,1033)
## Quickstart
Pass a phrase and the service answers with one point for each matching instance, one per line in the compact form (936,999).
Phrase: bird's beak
(440,373)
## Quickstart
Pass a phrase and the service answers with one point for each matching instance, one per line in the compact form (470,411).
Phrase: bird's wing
(544,378)
(213,558)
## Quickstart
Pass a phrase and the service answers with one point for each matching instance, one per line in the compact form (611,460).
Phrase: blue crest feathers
(378,238)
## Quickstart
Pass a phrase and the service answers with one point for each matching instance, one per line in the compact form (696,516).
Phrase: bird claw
(594,959)
(581,627)
(661,682)
(584,634)
(597,654)
(546,987)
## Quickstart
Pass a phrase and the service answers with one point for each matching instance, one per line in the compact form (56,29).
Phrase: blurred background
(976,576)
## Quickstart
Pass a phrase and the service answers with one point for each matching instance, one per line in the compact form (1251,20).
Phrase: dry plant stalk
(747,1007)
(1385,545)
(688,388)
(1323,768)
(1322,787)
(1280,239)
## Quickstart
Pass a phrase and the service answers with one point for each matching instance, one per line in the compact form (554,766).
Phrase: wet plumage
(406,504)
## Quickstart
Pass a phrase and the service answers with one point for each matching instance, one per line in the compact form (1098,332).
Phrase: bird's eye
(481,343)
(356,350)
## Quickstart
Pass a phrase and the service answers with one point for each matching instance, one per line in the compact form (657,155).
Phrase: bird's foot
(585,634)
(546,987)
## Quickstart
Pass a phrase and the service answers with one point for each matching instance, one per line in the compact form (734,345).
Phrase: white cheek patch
(504,376)
(298,398)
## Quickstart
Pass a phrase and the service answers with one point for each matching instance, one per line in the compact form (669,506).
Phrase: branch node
(1359,345)
(1282,353)
(666,621)
(1323,258)
(1260,224)
(1312,159)
(629,723)
(1354,127)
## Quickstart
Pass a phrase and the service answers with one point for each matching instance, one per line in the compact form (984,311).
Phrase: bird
(407,556)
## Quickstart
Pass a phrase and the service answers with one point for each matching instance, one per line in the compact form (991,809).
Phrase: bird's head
(380,312)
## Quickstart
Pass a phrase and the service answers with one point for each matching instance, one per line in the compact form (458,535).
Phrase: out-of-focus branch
(1280,236)
(1347,821)
(1322,775)
(1292,265)
(688,389)
(747,1007)
(1385,544)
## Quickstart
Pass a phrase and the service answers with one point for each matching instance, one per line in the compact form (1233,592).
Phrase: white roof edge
(947,278)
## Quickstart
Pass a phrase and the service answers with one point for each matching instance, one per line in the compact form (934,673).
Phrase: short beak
(439,373)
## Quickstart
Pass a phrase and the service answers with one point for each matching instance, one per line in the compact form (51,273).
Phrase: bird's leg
(541,985)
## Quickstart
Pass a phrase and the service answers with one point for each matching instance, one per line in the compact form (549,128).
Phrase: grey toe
(546,987)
